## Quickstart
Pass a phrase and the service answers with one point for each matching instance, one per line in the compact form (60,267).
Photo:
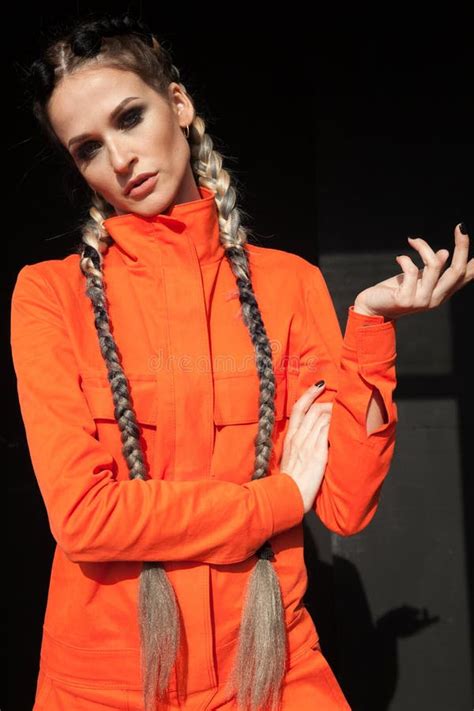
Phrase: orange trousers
(309,685)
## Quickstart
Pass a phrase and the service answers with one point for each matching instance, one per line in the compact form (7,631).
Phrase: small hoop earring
(186,131)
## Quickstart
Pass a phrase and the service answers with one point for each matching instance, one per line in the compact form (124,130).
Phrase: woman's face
(144,136)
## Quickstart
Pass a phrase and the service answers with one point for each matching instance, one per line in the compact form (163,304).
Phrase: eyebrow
(114,113)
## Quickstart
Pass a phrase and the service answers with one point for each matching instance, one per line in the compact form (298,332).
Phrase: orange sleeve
(93,517)
(352,367)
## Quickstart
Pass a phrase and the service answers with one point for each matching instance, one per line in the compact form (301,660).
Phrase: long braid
(261,655)
(158,614)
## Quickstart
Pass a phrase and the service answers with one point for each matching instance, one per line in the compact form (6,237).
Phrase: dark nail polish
(463,228)
(319,384)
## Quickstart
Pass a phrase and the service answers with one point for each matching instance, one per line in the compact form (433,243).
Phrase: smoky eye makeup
(128,119)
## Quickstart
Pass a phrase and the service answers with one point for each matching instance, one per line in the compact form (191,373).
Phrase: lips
(143,189)
(137,182)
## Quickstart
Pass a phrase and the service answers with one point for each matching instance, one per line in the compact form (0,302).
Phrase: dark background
(348,132)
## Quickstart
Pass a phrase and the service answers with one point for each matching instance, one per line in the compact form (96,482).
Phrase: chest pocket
(144,398)
(143,395)
(236,398)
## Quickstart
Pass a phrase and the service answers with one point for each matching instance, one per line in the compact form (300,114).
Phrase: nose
(121,156)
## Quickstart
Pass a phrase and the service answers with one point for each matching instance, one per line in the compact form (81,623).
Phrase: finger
(316,414)
(317,440)
(469,276)
(454,275)
(315,411)
(430,273)
(300,407)
(411,274)
(442,255)
(322,443)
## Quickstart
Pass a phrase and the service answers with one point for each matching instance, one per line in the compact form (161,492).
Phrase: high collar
(199,219)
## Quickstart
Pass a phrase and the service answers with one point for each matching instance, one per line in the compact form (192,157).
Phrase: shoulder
(279,259)
(50,285)
(281,266)
(55,273)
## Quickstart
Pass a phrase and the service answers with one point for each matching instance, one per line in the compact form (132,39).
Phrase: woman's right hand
(305,449)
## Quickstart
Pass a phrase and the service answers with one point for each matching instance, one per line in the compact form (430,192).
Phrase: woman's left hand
(416,290)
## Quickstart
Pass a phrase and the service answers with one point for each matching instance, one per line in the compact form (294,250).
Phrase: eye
(129,119)
(132,117)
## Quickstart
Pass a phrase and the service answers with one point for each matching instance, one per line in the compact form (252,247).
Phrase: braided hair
(260,660)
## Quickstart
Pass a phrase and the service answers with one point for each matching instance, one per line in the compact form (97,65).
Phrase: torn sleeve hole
(375,409)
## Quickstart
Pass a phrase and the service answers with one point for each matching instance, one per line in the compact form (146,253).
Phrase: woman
(179,436)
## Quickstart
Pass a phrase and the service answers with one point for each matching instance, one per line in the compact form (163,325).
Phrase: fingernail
(319,384)
(463,228)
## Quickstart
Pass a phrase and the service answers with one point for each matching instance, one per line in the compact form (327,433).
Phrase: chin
(150,210)
(145,208)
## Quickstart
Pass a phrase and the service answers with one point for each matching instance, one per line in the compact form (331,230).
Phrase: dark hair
(128,44)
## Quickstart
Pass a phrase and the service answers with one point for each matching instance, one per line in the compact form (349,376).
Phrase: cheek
(103,181)
(169,146)
(97,178)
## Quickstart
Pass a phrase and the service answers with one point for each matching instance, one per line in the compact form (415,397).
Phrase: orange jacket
(175,315)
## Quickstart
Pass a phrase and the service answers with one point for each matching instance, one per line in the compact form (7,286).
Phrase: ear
(181,104)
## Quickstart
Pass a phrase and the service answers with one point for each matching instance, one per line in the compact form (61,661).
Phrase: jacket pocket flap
(98,394)
(236,398)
